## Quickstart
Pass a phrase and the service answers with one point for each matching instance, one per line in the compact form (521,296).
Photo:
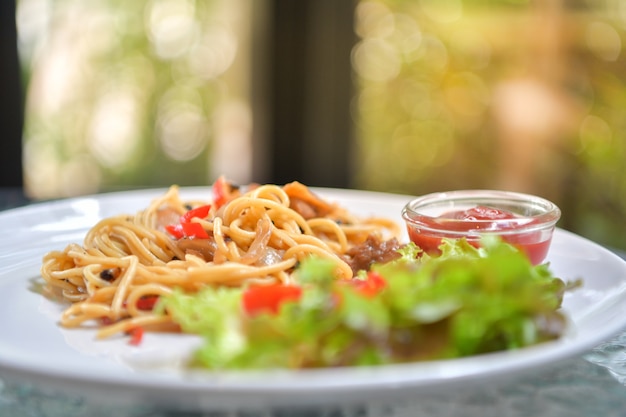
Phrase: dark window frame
(302,90)
(11,100)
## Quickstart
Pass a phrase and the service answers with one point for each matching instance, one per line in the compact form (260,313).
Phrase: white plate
(35,349)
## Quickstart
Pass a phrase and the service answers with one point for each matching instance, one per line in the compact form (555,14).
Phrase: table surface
(592,384)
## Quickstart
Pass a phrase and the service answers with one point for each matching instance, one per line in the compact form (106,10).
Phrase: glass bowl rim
(547,218)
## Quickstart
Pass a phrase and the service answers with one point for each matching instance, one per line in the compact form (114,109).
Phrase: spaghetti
(240,238)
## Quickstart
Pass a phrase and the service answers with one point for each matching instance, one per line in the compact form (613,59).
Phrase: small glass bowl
(523,220)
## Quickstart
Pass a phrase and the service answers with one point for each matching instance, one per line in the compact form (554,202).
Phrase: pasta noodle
(254,238)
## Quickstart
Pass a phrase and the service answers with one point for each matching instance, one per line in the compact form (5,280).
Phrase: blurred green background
(442,94)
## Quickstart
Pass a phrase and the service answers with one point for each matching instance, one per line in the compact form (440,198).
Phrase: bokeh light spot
(114,128)
(182,128)
(79,176)
(41,167)
(468,96)
(373,20)
(214,54)
(407,35)
(171,26)
(604,41)
(443,11)
(594,129)
(434,54)
(376,60)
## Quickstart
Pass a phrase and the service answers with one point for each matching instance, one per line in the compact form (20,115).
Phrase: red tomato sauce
(480,219)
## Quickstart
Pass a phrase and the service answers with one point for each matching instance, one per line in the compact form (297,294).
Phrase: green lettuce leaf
(466,301)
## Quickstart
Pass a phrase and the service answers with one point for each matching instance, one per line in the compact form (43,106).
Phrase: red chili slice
(136,336)
(106,321)
(371,286)
(260,299)
(186,228)
(176,230)
(199,212)
(192,230)
(221,192)
(147,303)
